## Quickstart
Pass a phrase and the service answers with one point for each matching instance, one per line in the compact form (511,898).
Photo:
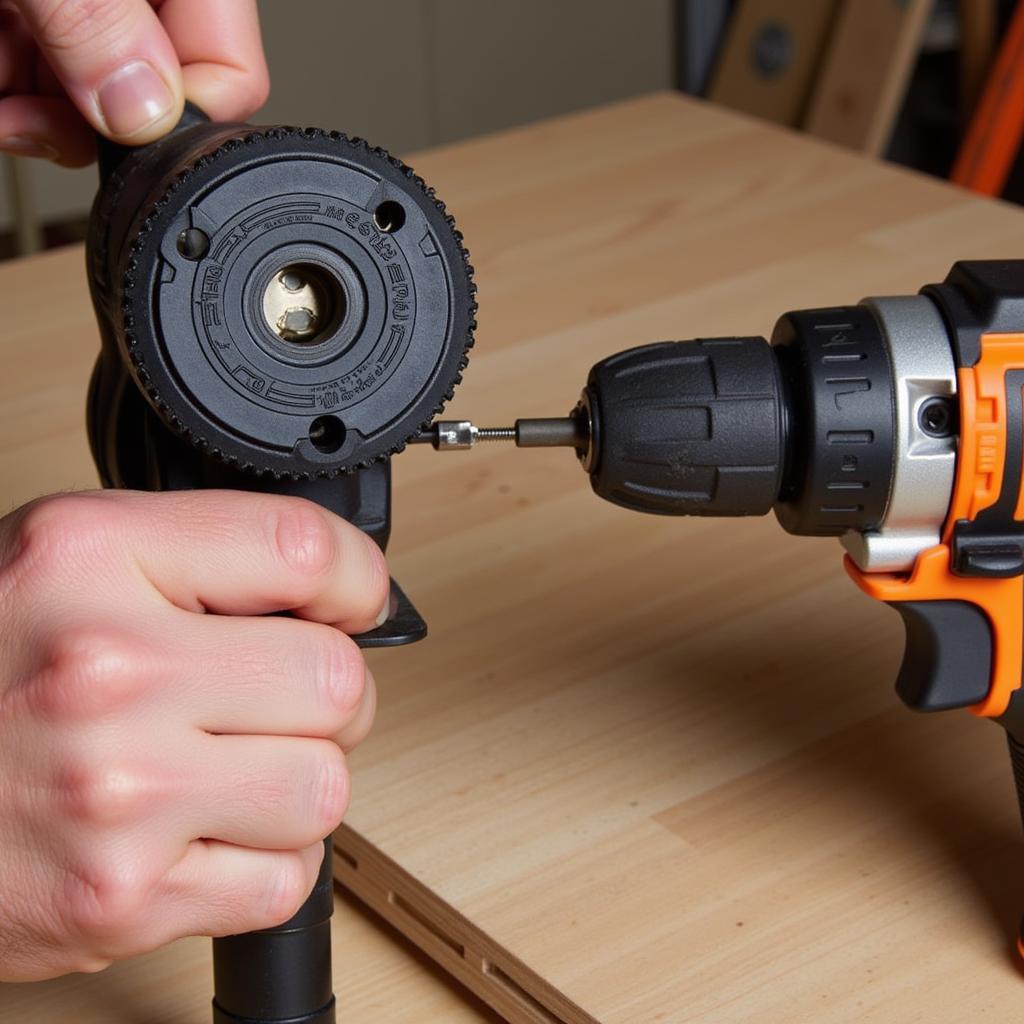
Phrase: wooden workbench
(644,769)
(651,769)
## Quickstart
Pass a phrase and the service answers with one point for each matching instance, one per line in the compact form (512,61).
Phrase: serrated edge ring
(129,283)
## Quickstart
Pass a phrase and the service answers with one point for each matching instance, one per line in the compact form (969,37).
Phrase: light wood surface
(651,769)
(377,980)
(643,769)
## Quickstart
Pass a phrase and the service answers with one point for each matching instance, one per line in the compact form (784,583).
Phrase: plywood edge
(500,979)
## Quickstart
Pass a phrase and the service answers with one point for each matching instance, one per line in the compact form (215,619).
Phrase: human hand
(165,772)
(122,68)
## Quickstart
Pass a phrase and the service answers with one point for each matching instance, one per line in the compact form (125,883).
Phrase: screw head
(193,243)
(937,417)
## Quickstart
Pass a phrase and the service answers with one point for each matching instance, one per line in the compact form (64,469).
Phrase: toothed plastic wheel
(309,288)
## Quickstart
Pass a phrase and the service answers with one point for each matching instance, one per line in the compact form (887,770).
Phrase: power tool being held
(280,310)
(895,424)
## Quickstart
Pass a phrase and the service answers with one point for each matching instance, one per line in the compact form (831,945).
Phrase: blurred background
(932,84)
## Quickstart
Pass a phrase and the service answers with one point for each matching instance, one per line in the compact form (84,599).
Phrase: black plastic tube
(280,974)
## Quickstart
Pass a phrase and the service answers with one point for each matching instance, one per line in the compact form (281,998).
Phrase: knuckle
(62,530)
(68,24)
(102,794)
(304,538)
(89,673)
(332,789)
(43,530)
(342,674)
(287,891)
(105,903)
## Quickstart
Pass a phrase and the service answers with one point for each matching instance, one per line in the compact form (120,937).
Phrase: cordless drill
(895,424)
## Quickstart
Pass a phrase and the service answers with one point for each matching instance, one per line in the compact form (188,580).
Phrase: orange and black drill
(896,425)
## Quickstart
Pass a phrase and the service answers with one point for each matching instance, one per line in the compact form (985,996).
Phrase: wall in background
(423,72)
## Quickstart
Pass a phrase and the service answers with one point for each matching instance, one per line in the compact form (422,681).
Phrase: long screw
(559,432)
(496,434)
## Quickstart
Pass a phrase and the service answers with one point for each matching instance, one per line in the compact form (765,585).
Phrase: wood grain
(649,769)
(643,770)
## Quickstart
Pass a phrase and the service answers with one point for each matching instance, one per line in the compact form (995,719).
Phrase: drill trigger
(947,662)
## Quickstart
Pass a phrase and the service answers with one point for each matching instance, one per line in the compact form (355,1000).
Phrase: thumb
(115,61)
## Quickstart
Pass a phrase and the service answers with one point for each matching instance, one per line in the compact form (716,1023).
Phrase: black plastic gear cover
(188,314)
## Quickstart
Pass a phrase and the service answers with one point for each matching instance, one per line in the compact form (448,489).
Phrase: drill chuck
(689,428)
(738,426)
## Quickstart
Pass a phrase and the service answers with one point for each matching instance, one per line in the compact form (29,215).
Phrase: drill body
(895,424)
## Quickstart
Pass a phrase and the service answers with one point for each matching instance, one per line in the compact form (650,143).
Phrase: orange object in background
(993,138)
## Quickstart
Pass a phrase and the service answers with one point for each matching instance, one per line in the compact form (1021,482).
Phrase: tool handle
(280,974)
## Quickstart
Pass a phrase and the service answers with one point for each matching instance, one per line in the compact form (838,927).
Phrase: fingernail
(132,98)
(25,145)
(384,614)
